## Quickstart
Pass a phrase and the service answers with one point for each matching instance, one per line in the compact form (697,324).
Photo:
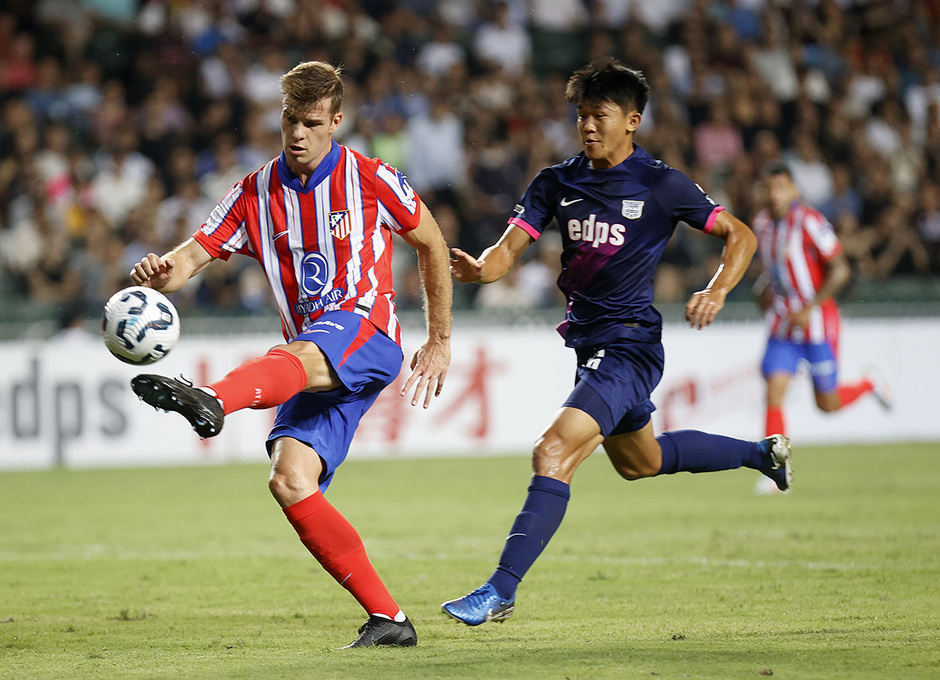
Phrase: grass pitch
(194,573)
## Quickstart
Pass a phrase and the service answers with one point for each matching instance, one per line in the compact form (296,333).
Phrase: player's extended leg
(641,454)
(258,383)
(848,393)
(334,542)
(830,394)
(561,448)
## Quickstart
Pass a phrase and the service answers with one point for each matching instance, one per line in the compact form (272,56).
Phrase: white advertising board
(68,402)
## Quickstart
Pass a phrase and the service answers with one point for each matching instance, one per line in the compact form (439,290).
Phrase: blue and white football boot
(482,605)
(777,454)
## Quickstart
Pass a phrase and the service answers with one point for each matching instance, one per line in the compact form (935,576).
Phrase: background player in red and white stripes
(802,268)
(318,218)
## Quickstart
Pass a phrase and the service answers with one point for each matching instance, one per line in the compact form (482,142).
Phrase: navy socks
(534,527)
(544,508)
(695,451)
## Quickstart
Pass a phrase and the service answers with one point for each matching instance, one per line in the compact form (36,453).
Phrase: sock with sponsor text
(336,545)
(261,383)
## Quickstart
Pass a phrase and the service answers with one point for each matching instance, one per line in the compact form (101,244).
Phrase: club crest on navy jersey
(632,210)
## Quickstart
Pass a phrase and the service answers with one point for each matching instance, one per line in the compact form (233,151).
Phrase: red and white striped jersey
(323,246)
(794,251)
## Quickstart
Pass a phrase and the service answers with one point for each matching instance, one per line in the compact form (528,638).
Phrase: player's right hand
(464,267)
(153,271)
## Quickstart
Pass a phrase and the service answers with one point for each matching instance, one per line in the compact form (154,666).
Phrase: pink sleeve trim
(526,227)
(710,223)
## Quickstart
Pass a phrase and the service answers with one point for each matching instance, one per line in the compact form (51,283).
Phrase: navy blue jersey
(614,226)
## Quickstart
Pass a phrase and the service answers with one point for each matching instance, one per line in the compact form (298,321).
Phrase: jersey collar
(326,166)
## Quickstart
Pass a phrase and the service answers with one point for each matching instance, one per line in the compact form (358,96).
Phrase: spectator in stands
(811,174)
(500,41)
(928,222)
(122,175)
(184,74)
(436,165)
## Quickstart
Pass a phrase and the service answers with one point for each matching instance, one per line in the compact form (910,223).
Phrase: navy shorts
(614,383)
(366,361)
(783,356)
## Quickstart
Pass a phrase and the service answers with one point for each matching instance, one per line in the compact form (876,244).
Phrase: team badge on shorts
(632,210)
(340,224)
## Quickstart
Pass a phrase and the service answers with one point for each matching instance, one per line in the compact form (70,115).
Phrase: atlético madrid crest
(632,210)
(340,225)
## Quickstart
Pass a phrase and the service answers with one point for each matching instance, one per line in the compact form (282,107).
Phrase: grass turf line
(194,573)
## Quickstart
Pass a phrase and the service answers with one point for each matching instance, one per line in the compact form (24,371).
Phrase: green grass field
(194,573)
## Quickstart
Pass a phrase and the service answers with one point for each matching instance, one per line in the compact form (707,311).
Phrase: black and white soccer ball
(140,325)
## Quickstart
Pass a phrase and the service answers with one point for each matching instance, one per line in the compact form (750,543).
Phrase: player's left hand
(800,317)
(703,307)
(428,370)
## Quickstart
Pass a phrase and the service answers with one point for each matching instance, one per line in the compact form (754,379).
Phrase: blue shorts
(366,361)
(783,356)
(614,383)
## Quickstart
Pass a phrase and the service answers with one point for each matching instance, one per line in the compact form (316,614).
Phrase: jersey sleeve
(822,235)
(685,201)
(534,211)
(399,205)
(224,231)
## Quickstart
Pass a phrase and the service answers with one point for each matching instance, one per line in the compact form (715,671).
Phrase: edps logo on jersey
(596,233)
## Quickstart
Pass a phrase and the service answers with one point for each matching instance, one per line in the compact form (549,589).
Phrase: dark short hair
(309,82)
(608,80)
(774,168)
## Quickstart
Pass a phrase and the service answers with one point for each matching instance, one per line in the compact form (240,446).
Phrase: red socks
(261,383)
(335,543)
(849,393)
(775,423)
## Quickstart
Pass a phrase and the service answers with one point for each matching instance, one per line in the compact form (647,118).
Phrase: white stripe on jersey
(356,236)
(821,233)
(396,182)
(384,215)
(269,259)
(802,278)
(217,216)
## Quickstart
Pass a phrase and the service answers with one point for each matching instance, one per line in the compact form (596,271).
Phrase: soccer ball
(140,325)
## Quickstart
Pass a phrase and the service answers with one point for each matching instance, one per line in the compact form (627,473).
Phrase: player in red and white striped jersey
(318,218)
(339,260)
(803,267)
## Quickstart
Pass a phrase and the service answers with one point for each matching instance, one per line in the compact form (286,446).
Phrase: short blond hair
(309,82)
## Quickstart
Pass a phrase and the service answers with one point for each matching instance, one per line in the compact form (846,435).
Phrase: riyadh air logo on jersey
(313,269)
(313,281)
(632,210)
(340,224)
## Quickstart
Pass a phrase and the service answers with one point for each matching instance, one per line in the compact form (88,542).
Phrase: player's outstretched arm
(740,244)
(170,272)
(495,262)
(430,362)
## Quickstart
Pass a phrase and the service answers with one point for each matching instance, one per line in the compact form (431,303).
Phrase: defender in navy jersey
(616,208)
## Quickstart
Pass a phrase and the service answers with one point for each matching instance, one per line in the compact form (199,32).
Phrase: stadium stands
(120,131)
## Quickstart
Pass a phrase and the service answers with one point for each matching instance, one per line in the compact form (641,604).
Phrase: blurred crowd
(123,122)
